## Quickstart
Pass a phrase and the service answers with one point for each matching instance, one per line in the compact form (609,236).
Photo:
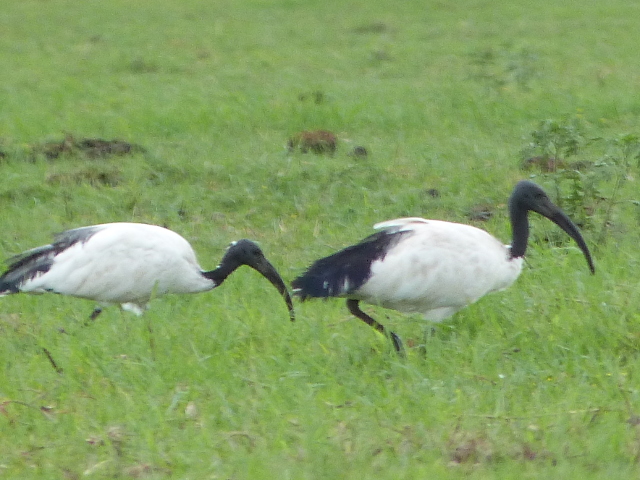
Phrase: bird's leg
(96,311)
(152,342)
(52,361)
(353,307)
(427,334)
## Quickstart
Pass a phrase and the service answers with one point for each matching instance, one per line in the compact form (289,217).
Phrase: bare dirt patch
(92,148)
(316,141)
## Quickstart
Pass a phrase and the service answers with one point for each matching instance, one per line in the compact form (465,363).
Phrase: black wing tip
(8,289)
(304,287)
(347,270)
(323,286)
(298,291)
(26,266)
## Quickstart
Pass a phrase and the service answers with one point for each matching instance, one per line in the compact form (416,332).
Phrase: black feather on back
(350,267)
(36,261)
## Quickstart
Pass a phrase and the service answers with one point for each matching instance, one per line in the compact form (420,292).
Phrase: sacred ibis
(430,266)
(127,264)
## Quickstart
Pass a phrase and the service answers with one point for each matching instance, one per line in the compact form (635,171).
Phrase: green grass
(539,381)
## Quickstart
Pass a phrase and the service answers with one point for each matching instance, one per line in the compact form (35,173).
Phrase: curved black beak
(557,216)
(269,272)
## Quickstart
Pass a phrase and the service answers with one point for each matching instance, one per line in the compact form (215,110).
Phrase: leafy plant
(551,144)
(556,139)
(621,154)
(581,187)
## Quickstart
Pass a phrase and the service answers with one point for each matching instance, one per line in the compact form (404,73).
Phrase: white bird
(127,264)
(430,266)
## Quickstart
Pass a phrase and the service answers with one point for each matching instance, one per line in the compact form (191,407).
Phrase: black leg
(152,342)
(96,311)
(52,361)
(353,307)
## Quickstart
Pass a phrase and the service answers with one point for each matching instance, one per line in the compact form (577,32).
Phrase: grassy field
(539,381)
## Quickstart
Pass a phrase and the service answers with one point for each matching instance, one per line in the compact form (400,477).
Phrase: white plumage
(123,263)
(127,264)
(435,270)
(431,266)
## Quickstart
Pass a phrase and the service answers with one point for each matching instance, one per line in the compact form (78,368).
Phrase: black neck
(519,231)
(221,272)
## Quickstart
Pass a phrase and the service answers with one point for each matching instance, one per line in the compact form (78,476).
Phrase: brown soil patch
(316,141)
(87,147)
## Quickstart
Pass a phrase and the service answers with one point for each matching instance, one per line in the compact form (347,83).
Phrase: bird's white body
(125,263)
(437,269)
(430,266)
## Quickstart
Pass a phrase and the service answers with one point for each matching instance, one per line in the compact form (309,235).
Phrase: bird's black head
(246,252)
(527,196)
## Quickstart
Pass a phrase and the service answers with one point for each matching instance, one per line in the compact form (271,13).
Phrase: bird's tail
(345,271)
(304,288)
(7,288)
(332,276)
(25,267)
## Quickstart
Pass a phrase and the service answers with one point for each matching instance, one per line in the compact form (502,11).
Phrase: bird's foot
(397,344)
(96,312)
